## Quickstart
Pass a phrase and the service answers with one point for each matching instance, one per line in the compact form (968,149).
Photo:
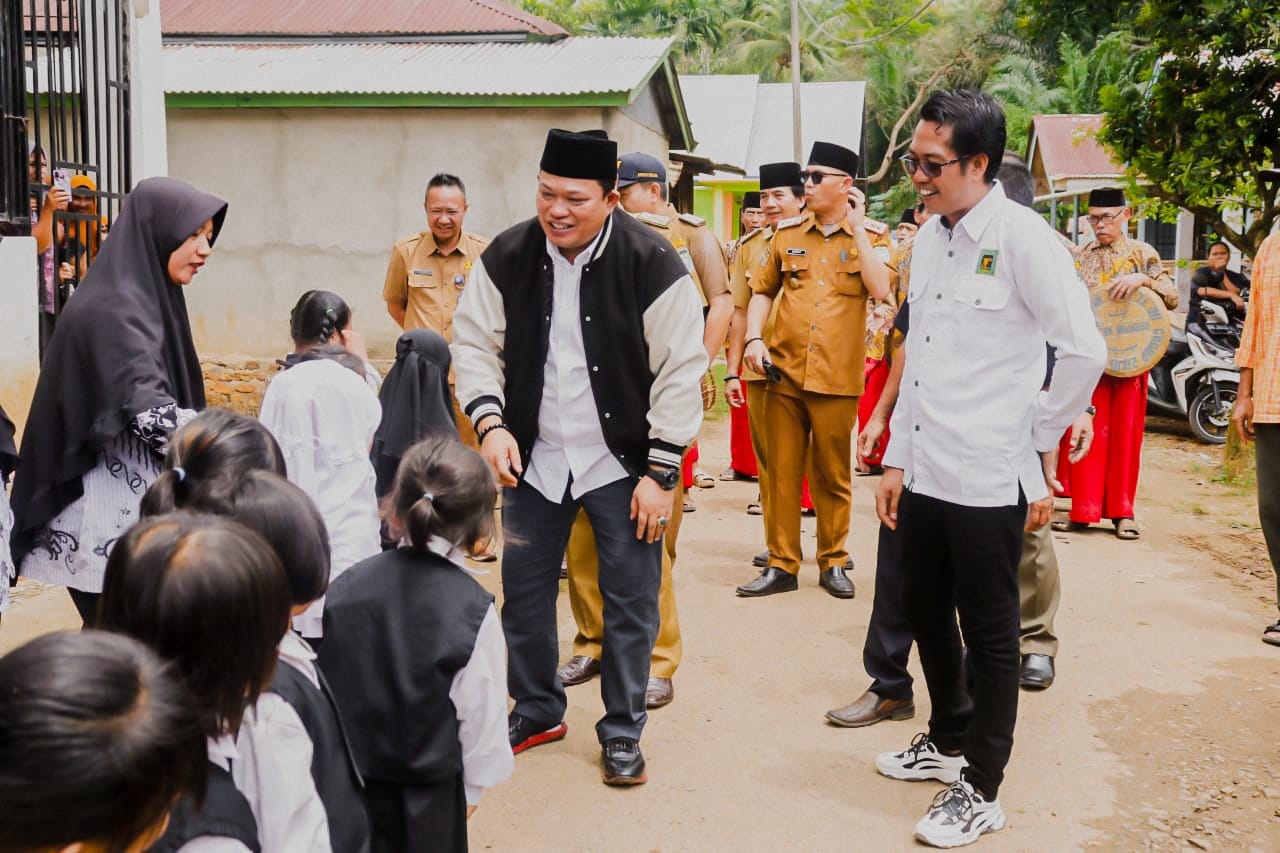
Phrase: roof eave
(501,37)
(284,100)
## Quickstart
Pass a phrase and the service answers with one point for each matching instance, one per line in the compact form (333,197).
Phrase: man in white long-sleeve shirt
(974,446)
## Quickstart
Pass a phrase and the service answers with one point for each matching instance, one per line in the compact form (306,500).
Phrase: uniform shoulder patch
(690,219)
(657,220)
(790,223)
(875,226)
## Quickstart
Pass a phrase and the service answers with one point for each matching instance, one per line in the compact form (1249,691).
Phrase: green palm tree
(765,46)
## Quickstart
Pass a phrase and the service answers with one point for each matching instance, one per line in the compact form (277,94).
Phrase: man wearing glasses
(427,272)
(1105,482)
(974,447)
(824,266)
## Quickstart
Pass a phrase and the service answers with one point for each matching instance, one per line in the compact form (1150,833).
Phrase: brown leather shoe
(659,692)
(579,669)
(869,709)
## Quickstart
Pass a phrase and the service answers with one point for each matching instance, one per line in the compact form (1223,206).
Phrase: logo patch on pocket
(987,262)
(797,252)
(459,279)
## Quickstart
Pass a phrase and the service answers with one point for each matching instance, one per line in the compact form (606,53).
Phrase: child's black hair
(100,738)
(207,456)
(443,488)
(208,594)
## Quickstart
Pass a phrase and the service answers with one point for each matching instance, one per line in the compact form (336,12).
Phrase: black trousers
(86,605)
(536,532)
(417,818)
(964,560)
(889,637)
(1268,458)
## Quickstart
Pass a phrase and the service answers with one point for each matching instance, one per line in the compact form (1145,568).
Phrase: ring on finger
(662,521)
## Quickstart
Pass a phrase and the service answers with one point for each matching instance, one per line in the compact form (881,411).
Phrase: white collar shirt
(985,297)
(570,452)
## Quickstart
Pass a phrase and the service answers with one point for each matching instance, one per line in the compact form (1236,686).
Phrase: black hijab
(415,402)
(8,450)
(122,346)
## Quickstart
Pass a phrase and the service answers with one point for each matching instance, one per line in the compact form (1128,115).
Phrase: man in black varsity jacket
(578,351)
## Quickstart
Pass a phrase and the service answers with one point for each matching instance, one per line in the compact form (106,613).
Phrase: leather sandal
(1127,528)
(1271,634)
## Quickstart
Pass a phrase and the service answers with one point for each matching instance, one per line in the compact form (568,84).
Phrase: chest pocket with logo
(796,268)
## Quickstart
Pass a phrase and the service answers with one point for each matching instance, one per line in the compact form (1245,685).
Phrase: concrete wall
(19,346)
(319,196)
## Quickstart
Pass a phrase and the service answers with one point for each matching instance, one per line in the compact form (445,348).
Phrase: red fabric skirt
(1105,482)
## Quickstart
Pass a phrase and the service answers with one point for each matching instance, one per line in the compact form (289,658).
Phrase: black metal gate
(65,82)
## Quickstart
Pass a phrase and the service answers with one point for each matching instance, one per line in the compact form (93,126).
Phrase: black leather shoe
(761,560)
(835,581)
(771,581)
(622,762)
(1037,672)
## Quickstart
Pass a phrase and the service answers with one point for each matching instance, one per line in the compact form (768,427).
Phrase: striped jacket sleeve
(677,360)
(479,337)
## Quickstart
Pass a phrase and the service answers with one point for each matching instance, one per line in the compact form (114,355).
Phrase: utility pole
(797,142)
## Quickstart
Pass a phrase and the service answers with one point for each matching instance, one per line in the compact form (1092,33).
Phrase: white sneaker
(920,762)
(958,816)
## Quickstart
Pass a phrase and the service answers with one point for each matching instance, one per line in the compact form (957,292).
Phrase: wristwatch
(1091,410)
(667,478)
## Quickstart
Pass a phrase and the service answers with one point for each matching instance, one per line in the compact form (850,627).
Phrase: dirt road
(1160,732)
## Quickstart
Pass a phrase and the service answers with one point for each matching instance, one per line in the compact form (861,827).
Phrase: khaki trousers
(587,603)
(797,423)
(757,392)
(466,431)
(1039,589)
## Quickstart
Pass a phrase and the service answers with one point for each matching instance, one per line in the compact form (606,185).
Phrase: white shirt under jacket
(570,439)
(971,417)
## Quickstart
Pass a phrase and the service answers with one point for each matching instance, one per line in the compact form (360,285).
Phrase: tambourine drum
(1136,330)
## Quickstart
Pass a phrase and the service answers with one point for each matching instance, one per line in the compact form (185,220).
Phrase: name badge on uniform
(686,257)
(844,256)
(422,272)
(797,252)
(987,262)
(459,279)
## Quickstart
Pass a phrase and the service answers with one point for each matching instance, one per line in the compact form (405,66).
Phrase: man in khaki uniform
(642,181)
(821,270)
(428,271)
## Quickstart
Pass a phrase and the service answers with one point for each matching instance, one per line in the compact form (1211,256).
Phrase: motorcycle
(1197,378)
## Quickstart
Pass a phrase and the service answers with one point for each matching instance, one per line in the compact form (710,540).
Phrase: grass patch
(1244,482)
(1198,509)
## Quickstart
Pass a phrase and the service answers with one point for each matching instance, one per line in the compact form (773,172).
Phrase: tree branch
(898,125)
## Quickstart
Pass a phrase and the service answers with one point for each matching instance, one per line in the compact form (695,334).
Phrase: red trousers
(686,468)
(742,456)
(875,377)
(1105,482)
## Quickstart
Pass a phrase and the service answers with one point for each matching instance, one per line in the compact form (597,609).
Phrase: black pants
(889,637)
(1268,459)
(962,559)
(536,531)
(417,818)
(86,605)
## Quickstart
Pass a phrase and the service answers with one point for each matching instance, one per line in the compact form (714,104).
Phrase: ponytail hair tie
(181,472)
(427,496)
(328,312)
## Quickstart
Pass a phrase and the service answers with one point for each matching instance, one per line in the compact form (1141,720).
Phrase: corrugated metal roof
(1069,147)
(574,66)
(324,17)
(740,121)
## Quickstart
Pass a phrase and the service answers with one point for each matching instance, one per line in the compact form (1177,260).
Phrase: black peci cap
(588,156)
(908,217)
(750,199)
(1107,197)
(834,157)
(773,175)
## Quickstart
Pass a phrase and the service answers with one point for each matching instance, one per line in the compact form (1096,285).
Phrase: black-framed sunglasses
(817,177)
(930,169)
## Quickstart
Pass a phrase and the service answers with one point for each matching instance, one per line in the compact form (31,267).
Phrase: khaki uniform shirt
(707,271)
(1099,264)
(819,340)
(428,283)
(751,249)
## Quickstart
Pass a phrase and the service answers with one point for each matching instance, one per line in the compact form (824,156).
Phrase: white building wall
(319,196)
(19,346)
